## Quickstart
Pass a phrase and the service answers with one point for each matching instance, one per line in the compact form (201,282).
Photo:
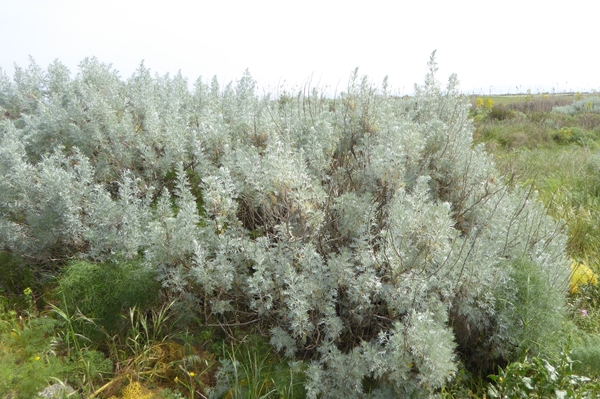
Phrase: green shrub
(530,316)
(568,135)
(501,113)
(105,291)
(586,354)
(534,308)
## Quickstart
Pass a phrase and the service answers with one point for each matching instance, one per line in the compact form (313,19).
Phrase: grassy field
(142,354)
(505,99)
(557,153)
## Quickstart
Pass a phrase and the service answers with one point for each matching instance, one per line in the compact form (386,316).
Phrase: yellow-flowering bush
(581,275)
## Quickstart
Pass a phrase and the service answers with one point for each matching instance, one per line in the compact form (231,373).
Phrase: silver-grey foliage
(366,232)
(583,106)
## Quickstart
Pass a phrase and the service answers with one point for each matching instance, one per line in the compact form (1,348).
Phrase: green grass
(32,356)
(519,99)
(38,349)
(560,156)
(567,179)
(251,370)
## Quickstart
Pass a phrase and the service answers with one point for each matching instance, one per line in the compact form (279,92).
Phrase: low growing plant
(586,352)
(104,292)
(87,367)
(541,378)
(28,361)
(254,371)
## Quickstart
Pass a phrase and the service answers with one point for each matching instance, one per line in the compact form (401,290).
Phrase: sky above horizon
(493,47)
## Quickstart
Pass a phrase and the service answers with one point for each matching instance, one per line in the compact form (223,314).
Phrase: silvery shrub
(366,233)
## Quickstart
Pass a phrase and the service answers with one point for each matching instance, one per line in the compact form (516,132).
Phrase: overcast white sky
(493,46)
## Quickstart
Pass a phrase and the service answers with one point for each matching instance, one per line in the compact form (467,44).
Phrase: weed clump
(105,291)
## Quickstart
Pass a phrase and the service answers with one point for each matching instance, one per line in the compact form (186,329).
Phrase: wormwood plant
(587,105)
(364,233)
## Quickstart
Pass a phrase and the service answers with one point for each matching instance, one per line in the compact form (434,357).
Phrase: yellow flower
(479,102)
(37,358)
(489,104)
(192,374)
(135,390)
(581,275)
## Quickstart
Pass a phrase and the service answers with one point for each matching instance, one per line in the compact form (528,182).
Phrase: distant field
(500,99)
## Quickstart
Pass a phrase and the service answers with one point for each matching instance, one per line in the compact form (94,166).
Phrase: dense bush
(569,135)
(501,113)
(365,233)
